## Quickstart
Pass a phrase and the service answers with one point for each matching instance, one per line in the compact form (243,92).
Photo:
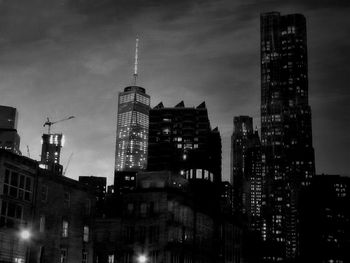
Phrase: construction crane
(68,162)
(50,123)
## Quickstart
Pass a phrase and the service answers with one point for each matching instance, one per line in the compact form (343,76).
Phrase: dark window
(44,191)
(66,199)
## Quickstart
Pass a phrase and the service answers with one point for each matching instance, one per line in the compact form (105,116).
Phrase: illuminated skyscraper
(9,138)
(132,127)
(286,134)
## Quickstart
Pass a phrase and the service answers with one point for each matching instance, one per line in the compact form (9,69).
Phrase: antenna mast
(136,60)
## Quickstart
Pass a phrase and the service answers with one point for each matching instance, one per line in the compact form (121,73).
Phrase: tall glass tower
(132,126)
(286,134)
(132,129)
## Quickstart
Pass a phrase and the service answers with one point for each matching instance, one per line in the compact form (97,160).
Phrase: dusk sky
(71,57)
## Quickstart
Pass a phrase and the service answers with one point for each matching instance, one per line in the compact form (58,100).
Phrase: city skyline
(78,66)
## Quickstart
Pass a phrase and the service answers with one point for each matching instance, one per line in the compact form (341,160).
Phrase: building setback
(9,138)
(181,140)
(286,134)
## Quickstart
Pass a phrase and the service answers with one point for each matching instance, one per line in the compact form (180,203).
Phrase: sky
(71,57)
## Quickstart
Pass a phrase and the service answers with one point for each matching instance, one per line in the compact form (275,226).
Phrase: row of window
(18,185)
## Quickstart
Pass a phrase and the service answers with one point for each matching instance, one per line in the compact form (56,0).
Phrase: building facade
(9,138)
(62,220)
(44,217)
(182,140)
(17,197)
(286,134)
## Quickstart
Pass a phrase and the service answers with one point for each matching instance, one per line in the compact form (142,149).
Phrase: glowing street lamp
(141,259)
(25,234)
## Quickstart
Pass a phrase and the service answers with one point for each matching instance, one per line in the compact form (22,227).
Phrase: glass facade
(132,129)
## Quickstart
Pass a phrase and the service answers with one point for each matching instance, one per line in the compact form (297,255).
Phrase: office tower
(132,129)
(9,138)
(240,142)
(247,176)
(51,151)
(181,140)
(286,134)
(132,126)
(325,220)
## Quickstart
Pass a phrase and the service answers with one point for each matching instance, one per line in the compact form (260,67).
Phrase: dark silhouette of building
(325,220)
(62,220)
(286,134)
(44,217)
(98,186)
(181,140)
(9,138)
(247,175)
(161,219)
(51,152)
(17,196)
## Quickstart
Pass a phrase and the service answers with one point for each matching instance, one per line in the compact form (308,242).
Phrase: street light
(25,234)
(142,259)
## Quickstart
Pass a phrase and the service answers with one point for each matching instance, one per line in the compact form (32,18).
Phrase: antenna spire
(136,60)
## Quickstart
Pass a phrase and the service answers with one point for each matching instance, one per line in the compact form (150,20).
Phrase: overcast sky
(72,57)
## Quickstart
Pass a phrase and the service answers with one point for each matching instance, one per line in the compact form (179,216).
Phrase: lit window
(42,224)
(64,228)
(110,258)
(86,234)
(63,257)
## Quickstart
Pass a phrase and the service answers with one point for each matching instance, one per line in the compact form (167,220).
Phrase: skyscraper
(132,127)
(9,138)
(240,141)
(286,134)
(247,176)
(181,140)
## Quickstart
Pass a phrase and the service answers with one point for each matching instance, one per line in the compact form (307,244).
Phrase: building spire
(136,60)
